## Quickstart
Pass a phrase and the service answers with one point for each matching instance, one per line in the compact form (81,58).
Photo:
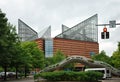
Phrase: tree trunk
(16,73)
(5,70)
(25,72)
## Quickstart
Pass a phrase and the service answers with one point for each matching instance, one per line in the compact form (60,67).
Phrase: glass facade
(46,33)
(48,47)
(25,32)
(64,28)
(86,30)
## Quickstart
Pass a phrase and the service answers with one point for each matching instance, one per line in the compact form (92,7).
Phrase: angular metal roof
(45,33)
(86,30)
(25,32)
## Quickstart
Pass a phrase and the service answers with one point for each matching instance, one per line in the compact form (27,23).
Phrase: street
(112,80)
(25,80)
(32,80)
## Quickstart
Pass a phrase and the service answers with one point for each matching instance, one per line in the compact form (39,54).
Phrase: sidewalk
(28,79)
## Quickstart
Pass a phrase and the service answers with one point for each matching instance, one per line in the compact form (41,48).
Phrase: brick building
(81,39)
(71,47)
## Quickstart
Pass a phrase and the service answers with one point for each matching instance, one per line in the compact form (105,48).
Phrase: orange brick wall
(75,47)
(40,43)
(71,47)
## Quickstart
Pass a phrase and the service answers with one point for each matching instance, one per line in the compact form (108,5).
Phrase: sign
(112,24)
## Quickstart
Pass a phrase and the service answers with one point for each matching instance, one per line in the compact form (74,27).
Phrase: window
(48,47)
(92,53)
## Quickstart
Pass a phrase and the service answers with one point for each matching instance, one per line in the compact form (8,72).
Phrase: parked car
(8,74)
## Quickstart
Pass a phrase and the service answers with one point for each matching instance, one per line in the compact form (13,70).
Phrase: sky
(40,14)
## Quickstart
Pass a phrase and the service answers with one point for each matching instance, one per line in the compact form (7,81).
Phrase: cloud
(40,14)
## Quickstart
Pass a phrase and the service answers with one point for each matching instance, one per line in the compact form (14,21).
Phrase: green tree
(20,58)
(35,55)
(116,57)
(102,57)
(57,57)
(8,38)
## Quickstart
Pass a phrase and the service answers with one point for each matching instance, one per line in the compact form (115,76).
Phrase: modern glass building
(85,31)
(25,32)
(81,39)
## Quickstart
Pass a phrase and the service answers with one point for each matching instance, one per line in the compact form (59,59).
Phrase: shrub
(70,76)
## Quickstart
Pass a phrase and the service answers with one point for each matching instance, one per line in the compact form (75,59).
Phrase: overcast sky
(39,14)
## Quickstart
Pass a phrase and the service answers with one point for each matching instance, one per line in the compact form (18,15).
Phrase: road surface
(32,80)
(25,80)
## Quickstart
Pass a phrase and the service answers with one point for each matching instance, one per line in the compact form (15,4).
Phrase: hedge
(70,76)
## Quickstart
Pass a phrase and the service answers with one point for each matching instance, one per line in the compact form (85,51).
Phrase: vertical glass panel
(48,47)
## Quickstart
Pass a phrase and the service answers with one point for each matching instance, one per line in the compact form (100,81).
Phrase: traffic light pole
(106,24)
(105,34)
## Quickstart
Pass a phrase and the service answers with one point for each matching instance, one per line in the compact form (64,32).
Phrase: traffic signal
(102,35)
(105,34)
(104,29)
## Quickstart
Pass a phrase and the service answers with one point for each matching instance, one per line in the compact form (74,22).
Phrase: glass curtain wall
(25,32)
(86,30)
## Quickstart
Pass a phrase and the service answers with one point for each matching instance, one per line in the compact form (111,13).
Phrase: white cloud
(41,13)
(108,47)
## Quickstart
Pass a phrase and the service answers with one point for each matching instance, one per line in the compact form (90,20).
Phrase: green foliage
(34,56)
(8,39)
(1,69)
(116,57)
(114,60)
(69,66)
(57,57)
(70,76)
(102,57)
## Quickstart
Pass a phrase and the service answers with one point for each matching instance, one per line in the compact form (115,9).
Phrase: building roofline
(27,25)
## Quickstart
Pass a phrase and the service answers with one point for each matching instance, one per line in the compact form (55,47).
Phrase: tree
(19,58)
(57,57)
(116,57)
(102,57)
(35,55)
(8,38)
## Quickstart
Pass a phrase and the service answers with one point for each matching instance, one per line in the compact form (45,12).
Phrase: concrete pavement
(32,80)
(25,80)
(112,80)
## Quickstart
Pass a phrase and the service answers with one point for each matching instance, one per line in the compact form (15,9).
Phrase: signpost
(105,33)
(112,24)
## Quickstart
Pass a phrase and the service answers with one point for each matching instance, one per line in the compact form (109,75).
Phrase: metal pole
(106,24)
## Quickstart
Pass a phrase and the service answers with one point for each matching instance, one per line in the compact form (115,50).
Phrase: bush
(70,76)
